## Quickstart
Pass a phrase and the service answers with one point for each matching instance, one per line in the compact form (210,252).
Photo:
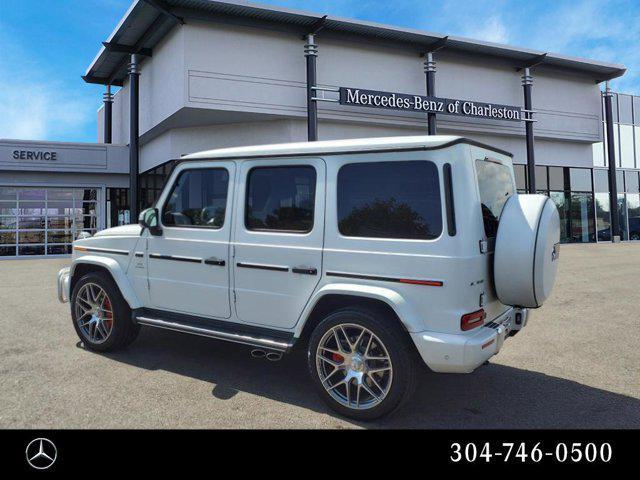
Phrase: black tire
(398,347)
(123,330)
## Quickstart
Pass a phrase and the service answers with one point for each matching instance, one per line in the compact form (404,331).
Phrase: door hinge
(234,296)
(484,246)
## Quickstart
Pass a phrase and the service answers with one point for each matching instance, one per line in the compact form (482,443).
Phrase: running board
(255,339)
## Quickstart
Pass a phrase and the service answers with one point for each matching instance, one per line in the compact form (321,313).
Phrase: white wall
(224,69)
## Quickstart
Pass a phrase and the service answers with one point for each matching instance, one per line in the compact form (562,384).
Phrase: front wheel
(101,316)
(360,362)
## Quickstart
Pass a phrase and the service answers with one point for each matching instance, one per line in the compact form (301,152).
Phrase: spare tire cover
(527,250)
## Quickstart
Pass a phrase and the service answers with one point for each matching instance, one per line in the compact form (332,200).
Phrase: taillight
(472,320)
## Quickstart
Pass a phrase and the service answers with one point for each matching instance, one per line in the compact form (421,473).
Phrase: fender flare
(409,318)
(118,275)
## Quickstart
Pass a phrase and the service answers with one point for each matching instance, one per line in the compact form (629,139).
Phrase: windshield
(495,182)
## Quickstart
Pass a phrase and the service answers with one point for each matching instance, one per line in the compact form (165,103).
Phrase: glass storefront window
(151,183)
(598,154)
(616,139)
(633,212)
(626,147)
(619,181)
(581,213)
(622,216)
(580,179)
(521,177)
(576,216)
(601,180)
(625,110)
(541,178)
(631,182)
(562,204)
(603,217)
(556,178)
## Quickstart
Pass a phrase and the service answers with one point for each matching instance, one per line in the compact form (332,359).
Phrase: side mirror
(149,219)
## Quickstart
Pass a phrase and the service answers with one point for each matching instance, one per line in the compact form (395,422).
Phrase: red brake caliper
(108,315)
(336,357)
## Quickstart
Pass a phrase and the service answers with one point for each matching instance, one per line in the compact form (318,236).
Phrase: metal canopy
(148,21)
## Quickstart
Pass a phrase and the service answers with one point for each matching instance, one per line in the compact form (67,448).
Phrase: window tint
(495,183)
(389,200)
(281,198)
(198,199)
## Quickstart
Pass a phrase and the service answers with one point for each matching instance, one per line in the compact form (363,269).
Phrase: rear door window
(496,185)
(390,200)
(281,198)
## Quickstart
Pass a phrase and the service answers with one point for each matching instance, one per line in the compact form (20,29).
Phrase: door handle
(215,261)
(305,270)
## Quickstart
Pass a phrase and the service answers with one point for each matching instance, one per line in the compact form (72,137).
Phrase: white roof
(336,146)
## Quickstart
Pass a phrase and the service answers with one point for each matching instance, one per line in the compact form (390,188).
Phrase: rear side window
(281,198)
(495,182)
(198,199)
(390,200)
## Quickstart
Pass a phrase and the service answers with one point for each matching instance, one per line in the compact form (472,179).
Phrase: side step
(248,335)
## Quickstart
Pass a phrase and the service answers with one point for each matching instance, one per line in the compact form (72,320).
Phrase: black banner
(359,97)
(121,452)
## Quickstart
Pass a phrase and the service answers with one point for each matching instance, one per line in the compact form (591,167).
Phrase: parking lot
(577,365)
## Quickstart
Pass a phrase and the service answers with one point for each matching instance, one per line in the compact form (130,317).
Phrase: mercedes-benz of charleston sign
(417,103)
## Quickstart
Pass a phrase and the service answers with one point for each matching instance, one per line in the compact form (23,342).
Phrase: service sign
(417,103)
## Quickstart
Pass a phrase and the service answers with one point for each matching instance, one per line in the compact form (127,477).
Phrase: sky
(46,45)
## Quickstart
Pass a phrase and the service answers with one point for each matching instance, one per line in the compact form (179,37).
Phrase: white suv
(371,254)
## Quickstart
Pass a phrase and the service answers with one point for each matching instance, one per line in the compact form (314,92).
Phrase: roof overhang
(146,22)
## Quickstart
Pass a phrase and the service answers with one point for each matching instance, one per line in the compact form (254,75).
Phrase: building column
(311,52)
(611,156)
(430,72)
(108,115)
(134,114)
(527,85)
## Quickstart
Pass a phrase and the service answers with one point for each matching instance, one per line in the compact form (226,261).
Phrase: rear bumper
(63,284)
(463,353)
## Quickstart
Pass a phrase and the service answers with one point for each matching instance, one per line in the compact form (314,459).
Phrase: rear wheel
(361,363)
(101,316)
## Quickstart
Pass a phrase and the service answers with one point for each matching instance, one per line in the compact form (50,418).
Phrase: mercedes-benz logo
(41,453)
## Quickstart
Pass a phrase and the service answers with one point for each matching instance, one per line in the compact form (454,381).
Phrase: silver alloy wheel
(94,313)
(354,366)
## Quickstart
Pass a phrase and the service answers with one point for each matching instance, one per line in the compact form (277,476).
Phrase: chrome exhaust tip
(274,356)
(257,353)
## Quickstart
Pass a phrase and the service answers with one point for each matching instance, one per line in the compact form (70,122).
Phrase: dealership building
(182,76)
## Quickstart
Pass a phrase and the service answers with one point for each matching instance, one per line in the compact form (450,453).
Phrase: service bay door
(278,239)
